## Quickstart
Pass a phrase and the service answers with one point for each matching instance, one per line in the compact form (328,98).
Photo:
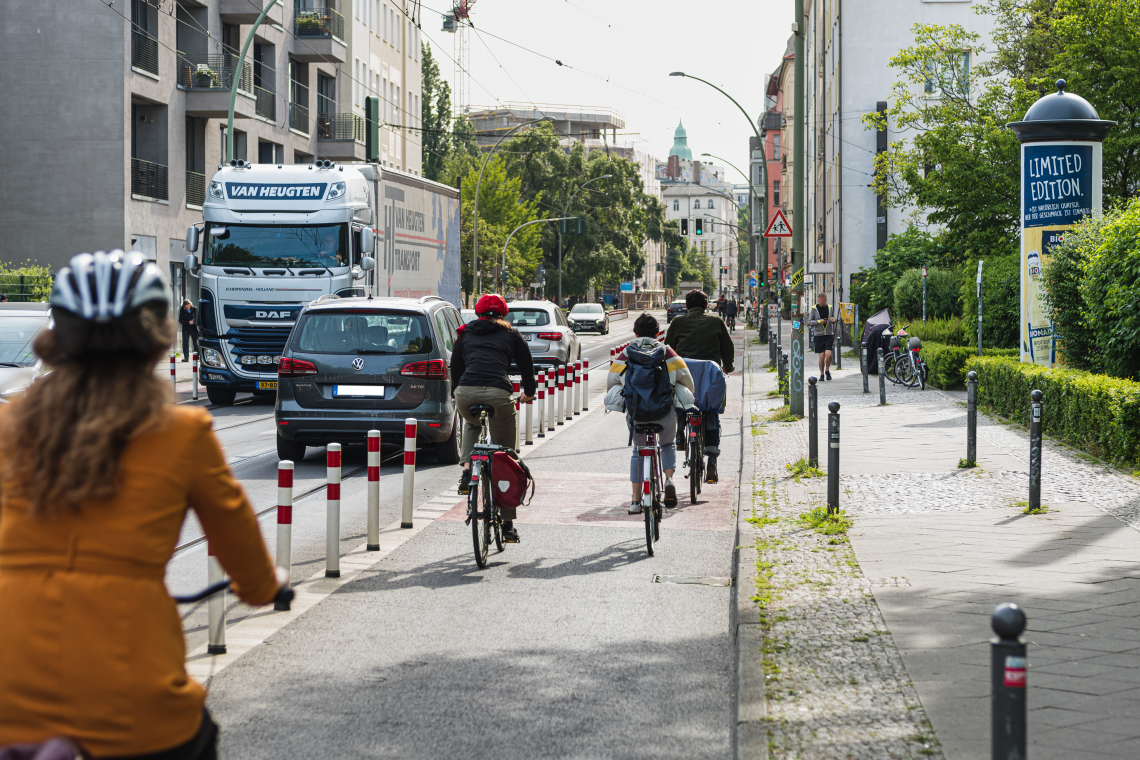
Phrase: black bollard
(771,348)
(971,418)
(787,379)
(1035,407)
(882,380)
(833,458)
(863,364)
(1008,683)
(813,423)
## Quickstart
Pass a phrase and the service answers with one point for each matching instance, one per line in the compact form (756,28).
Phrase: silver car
(20,323)
(589,316)
(545,329)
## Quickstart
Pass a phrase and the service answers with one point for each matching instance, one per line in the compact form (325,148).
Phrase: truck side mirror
(192,239)
(367,263)
(190,263)
(367,240)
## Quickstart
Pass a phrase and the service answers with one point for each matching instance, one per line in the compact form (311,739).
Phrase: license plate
(267,385)
(365,391)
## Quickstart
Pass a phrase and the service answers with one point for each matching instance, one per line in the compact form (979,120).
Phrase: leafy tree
(435,113)
(874,289)
(1063,271)
(1001,302)
(943,294)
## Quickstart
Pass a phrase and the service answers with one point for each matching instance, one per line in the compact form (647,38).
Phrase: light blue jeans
(666,439)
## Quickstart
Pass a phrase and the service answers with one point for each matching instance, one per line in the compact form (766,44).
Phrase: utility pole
(796,355)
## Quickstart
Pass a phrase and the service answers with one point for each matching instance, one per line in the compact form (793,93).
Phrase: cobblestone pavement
(835,684)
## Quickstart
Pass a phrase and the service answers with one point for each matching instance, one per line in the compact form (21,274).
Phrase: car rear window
(350,332)
(528,317)
(16,335)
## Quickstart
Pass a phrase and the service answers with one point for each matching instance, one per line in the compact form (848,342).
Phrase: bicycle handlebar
(284,594)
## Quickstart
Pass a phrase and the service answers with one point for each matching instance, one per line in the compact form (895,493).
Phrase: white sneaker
(635,507)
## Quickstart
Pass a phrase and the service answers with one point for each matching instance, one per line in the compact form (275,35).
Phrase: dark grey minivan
(357,364)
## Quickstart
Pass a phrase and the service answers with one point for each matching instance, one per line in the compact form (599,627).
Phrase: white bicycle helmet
(97,298)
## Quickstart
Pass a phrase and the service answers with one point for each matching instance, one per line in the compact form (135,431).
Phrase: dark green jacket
(696,335)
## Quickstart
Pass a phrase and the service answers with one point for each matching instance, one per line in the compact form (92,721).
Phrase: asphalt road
(565,646)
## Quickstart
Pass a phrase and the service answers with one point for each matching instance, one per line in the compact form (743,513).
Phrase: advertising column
(1061,162)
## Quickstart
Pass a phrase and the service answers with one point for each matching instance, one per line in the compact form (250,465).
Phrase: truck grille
(258,341)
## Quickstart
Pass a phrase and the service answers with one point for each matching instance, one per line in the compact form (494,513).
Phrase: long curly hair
(68,433)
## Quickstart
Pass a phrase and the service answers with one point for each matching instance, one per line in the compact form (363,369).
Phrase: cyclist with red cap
(481,364)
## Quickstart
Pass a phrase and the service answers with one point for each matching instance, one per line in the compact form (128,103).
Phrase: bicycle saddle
(649,427)
(478,409)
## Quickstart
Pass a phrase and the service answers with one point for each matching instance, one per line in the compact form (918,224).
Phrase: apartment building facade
(776,135)
(124,111)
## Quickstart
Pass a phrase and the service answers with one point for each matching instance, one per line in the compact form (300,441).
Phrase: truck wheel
(291,450)
(220,396)
(447,452)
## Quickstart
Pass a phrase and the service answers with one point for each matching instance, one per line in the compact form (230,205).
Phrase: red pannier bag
(511,478)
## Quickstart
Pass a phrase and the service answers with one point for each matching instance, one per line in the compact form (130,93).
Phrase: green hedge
(947,364)
(1096,413)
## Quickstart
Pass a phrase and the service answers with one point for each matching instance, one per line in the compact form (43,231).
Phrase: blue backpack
(648,392)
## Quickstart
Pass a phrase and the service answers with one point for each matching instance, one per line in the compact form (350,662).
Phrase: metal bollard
(577,388)
(541,389)
(585,385)
(215,607)
(551,378)
(780,374)
(787,379)
(194,377)
(373,540)
(409,471)
(833,458)
(1008,683)
(284,520)
(771,348)
(1035,408)
(863,364)
(813,422)
(568,402)
(971,418)
(332,511)
(529,423)
(561,390)
(882,380)
(173,379)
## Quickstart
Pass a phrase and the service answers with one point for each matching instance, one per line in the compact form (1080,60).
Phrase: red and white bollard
(173,379)
(373,541)
(215,607)
(561,392)
(409,471)
(540,389)
(551,379)
(284,521)
(194,377)
(518,417)
(529,423)
(577,388)
(568,402)
(585,385)
(332,511)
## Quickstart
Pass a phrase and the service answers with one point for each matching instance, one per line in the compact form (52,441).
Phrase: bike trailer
(511,478)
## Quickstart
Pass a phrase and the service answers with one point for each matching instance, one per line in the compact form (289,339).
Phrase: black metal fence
(25,287)
(299,118)
(213,72)
(149,180)
(266,106)
(195,189)
(144,52)
(317,19)
(343,127)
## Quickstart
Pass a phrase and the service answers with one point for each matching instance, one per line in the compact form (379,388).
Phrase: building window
(676,205)
(952,79)
(776,192)
(776,146)
(697,203)
(711,203)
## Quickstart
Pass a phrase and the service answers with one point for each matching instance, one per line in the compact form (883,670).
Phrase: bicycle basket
(914,343)
(894,342)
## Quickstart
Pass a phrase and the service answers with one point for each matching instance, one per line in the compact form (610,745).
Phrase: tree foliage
(874,289)
(943,294)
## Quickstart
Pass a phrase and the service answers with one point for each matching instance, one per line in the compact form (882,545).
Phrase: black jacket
(484,353)
(185,316)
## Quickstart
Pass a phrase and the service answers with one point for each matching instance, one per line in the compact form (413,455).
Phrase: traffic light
(698,225)
(684,226)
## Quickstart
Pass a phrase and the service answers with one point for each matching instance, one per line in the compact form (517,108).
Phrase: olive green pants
(504,425)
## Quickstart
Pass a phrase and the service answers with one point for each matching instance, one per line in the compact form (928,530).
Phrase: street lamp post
(237,80)
(526,224)
(752,189)
(476,280)
(565,211)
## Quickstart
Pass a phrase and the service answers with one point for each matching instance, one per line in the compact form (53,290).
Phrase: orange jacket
(91,643)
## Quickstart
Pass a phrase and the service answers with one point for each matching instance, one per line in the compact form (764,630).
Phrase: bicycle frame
(650,455)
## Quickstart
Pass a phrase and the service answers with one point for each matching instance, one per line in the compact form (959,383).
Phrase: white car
(546,331)
(20,323)
(589,316)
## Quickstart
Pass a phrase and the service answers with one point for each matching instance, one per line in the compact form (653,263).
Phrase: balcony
(341,136)
(266,105)
(148,181)
(144,52)
(195,189)
(320,33)
(207,79)
(247,11)
(299,118)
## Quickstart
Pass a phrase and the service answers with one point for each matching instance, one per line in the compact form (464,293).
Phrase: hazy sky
(618,54)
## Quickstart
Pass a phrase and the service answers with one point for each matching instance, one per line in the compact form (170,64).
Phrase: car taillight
(550,336)
(295,367)
(435,369)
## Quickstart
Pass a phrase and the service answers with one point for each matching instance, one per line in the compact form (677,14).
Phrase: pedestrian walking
(822,323)
(188,319)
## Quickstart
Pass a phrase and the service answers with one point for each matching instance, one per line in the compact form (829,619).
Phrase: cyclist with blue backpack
(654,380)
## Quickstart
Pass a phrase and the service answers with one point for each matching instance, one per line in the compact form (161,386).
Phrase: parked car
(352,365)
(468,315)
(589,316)
(20,323)
(676,309)
(546,330)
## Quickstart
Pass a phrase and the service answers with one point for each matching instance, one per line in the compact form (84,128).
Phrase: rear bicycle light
(433,369)
(550,336)
(295,368)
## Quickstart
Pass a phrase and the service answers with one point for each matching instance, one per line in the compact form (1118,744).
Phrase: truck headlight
(216,190)
(337,191)
(213,358)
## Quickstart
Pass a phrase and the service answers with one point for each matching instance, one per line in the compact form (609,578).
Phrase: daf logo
(358,363)
(273,315)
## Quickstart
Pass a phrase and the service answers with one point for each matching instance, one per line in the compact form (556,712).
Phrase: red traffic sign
(778,227)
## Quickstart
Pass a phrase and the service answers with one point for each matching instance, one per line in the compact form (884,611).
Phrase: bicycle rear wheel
(648,512)
(696,468)
(491,512)
(479,534)
(919,373)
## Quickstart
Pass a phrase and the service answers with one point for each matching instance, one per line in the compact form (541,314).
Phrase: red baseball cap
(491,303)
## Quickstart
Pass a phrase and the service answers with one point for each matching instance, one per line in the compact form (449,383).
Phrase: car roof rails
(325,297)
(425,298)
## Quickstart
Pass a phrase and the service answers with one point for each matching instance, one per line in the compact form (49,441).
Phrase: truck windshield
(274,246)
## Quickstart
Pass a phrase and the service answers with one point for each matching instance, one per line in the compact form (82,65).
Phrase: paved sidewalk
(936,548)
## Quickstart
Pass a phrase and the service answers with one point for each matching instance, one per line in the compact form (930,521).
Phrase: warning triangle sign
(778,227)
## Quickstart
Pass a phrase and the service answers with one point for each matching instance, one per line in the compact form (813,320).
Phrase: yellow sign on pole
(847,313)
